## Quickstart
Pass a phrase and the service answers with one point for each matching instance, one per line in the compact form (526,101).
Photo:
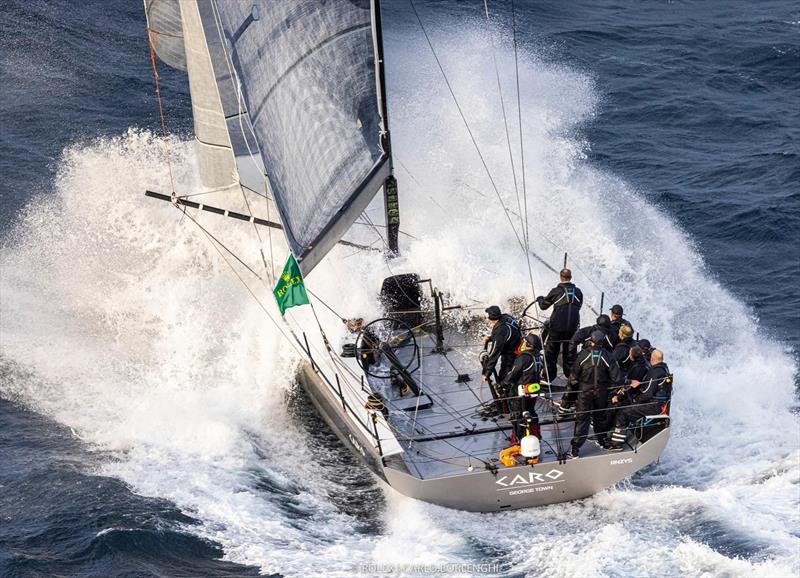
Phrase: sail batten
(298,89)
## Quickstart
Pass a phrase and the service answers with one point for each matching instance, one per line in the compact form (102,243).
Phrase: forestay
(297,83)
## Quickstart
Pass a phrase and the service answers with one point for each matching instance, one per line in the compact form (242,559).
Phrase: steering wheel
(389,338)
(538,322)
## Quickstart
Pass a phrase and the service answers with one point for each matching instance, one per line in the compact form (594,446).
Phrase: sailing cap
(597,337)
(493,312)
(617,310)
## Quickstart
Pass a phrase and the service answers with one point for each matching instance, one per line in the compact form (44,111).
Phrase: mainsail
(298,87)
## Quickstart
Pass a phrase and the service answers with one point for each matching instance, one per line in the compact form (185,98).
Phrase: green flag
(290,290)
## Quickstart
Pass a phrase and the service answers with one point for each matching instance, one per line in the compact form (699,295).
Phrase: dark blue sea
(663,150)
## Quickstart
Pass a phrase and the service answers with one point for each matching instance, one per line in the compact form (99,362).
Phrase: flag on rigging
(290,290)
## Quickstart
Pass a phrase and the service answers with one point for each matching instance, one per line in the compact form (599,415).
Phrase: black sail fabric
(297,84)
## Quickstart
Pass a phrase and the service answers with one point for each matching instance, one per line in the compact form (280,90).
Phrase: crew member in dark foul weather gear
(566,300)
(636,370)
(647,397)
(623,347)
(637,365)
(617,320)
(581,338)
(647,349)
(525,373)
(501,344)
(603,323)
(594,371)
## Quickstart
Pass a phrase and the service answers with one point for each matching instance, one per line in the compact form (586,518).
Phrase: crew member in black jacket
(501,344)
(637,365)
(594,372)
(581,337)
(636,368)
(524,372)
(646,397)
(617,320)
(566,300)
(603,323)
(623,347)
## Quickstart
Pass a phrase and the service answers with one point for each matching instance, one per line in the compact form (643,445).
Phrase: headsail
(166,31)
(297,83)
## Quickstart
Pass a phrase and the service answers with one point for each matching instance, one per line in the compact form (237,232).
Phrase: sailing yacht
(292,139)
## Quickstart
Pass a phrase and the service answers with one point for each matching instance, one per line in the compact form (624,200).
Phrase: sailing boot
(574,453)
(618,438)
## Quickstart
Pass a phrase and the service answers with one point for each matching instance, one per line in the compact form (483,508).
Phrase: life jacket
(566,310)
(664,386)
(597,360)
(528,382)
(511,457)
(513,323)
(515,337)
(624,346)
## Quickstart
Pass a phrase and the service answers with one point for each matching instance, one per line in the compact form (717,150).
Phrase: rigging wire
(523,222)
(216,244)
(466,125)
(526,233)
(519,123)
(236,83)
(150,34)
(503,109)
(523,242)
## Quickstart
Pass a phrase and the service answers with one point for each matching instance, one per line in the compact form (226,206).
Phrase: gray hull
(481,489)
(527,486)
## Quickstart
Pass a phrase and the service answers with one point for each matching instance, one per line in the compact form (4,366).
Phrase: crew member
(637,365)
(622,349)
(603,323)
(501,344)
(646,347)
(647,397)
(617,320)
(526,373)
(594,371)
(636,370)
(566,300)
(581,337)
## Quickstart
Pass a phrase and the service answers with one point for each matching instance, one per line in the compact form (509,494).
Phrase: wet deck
(442,430)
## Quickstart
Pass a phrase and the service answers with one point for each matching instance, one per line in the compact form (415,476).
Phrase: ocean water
(148,421)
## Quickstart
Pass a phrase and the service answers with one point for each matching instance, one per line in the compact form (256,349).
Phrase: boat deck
(443,431)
